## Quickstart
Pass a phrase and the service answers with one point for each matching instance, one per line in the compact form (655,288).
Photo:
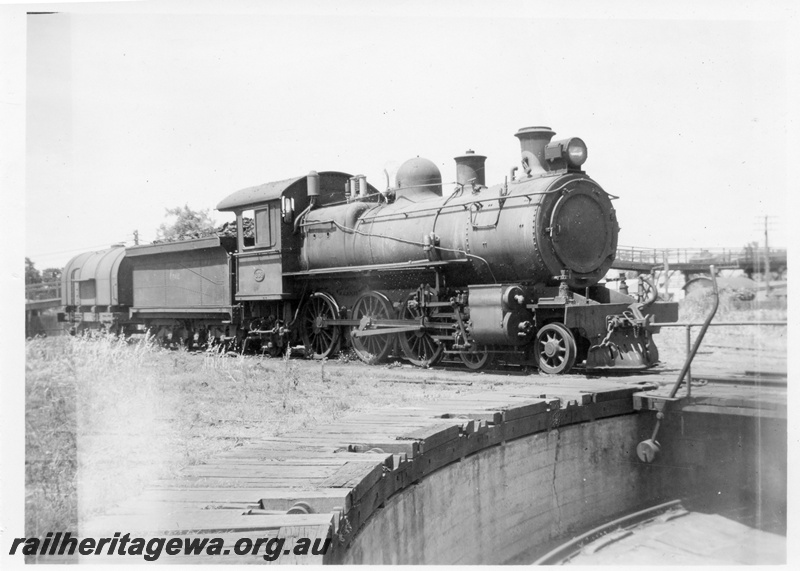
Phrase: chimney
(470,169)
(532,141)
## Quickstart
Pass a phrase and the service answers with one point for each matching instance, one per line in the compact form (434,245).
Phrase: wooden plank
(409,448)
(318,504)
(402,477)
(204,495)
(493,435)
(349,431)
(204,521)
(569,413)
(651,401)
(251,482)
(493,416)
(604,409)
(373,499)
(433,436)
(299,457)
(138,506)
(294,532)
(442,455)
(528,408)
(286,457)
(526,425)
(260,471)
(335,441)
(355,475)
(613,394)
(274,464)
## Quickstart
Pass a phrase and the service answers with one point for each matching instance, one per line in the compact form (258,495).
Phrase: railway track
(668,534)
(615,530)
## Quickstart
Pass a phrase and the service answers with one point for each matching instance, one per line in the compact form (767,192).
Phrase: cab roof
(253,195)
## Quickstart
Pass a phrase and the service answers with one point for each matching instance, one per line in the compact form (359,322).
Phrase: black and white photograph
(415,283)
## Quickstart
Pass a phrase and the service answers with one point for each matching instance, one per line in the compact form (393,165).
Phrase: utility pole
(135,237)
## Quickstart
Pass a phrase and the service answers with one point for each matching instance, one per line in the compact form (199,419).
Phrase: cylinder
(470,169)
(312,184)
(532,142)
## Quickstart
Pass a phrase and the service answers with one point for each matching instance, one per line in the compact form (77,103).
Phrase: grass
(89,404)
(51,447)
(106,417)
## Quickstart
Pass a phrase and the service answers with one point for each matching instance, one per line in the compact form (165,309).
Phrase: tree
(188,224)
(32,275)
(50,275)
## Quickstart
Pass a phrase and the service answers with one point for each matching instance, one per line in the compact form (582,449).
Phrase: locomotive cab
(268,218)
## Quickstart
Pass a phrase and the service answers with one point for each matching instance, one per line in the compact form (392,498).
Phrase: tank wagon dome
(418,178)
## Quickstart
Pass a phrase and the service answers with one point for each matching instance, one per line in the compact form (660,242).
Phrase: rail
(614,530)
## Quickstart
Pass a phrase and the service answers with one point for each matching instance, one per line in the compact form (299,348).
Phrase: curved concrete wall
(496,505)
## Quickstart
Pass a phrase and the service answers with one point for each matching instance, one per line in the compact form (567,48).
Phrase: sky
(136,107)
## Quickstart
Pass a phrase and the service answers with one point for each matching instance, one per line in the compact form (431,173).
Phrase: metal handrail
(648,449)
(688,327)
(688,363)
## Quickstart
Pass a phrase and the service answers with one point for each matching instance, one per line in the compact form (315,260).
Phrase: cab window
(264,233)
(262,226)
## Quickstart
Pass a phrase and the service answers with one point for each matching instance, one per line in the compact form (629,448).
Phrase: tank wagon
(509,271)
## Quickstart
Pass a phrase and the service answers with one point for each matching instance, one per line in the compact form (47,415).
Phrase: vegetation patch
(106,417)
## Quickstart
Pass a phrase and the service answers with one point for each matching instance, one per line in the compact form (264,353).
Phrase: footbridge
(696,260)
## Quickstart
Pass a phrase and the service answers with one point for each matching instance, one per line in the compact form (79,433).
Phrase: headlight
(576,152)
(573,151)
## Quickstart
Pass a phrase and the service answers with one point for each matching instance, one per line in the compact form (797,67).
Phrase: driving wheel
(370,307)
(418,346)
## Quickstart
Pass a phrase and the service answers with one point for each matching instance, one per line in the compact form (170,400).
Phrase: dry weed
(107,417)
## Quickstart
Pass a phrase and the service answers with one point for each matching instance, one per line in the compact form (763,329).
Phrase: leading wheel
(477,357)
(370,307)
(555,349)
(418,346)
(321,340)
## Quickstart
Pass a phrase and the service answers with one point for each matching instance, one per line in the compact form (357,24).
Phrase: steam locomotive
(474,274)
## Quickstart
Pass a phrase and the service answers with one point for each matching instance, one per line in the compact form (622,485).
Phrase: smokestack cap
(470,155)
(527,131)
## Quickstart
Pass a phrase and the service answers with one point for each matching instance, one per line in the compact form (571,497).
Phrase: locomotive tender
(509,271)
